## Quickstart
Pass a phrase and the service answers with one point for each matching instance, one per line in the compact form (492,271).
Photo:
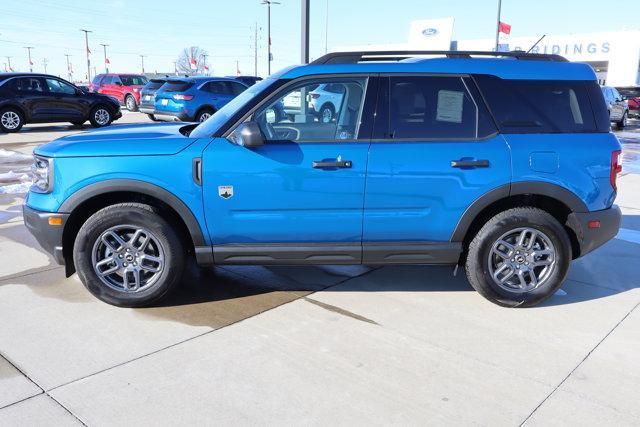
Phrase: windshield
(209,127)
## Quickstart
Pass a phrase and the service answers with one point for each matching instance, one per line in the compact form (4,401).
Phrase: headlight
(42,174)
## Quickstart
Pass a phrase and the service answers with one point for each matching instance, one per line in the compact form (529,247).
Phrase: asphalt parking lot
(316,345)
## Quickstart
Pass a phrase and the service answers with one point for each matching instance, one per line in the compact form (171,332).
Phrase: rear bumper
(169,116)
(146,109)
(592,238)
(48,236)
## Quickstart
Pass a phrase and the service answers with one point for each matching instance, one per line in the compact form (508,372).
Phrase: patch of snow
(7,156)
(21,188)
(14,176)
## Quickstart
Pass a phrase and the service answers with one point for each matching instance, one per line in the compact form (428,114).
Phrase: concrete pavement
(319,345)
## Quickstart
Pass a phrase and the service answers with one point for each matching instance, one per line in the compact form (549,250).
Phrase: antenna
(536,43)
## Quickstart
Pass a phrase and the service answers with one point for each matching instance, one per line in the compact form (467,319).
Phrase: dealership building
(615,56)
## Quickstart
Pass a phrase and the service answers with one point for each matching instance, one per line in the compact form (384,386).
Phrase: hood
(121,140)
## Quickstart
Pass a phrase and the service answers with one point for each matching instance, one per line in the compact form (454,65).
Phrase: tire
(204,114)
(125,220)
(130,103)
(482,259)
(100,116)
(152,117)
(623,121)
(327,113)
(11,120)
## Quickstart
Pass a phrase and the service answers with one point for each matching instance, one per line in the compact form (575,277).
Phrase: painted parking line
(629,235)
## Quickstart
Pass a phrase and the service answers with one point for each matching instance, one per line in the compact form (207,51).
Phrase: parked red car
(124,87)
(632,95)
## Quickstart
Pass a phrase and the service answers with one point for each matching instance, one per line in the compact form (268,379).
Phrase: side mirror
(247,134)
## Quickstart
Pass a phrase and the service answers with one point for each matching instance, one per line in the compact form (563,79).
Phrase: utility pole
(86,43)
(142,60)
(69,73)
(106,66)
(45,61)
(8,62)
(255,50)
(269,56)
(29,53)
(204,63)
(326,28)
(498,24)
(304,54)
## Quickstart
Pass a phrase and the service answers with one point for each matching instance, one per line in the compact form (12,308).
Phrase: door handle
(332,164)
(464,163)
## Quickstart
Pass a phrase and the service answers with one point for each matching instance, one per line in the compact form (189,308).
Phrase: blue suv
(502,163)
(194,99)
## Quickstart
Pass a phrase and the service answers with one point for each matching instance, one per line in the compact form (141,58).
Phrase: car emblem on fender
(225,191)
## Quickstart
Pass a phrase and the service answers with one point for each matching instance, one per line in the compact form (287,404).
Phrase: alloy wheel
(522,260)
(102,116)
(10,120)
(128,258)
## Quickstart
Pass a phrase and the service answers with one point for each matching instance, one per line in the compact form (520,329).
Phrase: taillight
(315,95)
(181,97)
(616,168)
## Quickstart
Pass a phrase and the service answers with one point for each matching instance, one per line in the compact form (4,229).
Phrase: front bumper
(48,236)
(592,238)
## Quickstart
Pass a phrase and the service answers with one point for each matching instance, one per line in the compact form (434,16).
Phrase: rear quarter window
(541,106)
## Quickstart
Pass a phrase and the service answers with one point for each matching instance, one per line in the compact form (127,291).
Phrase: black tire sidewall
(135,105)
(477,261)
(20,115)
(142,216)
(203,111)
(327,107)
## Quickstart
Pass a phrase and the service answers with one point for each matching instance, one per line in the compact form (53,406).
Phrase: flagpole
(498,24)
(104,48)
(86,43)
(30,62)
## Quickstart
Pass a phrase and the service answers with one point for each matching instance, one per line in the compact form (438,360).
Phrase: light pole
(29,53)
(86,43)
(45,61)
(269,57)
(69,73)
(142,61)
(106,66)
(304,31)
(8,62)
(498,24)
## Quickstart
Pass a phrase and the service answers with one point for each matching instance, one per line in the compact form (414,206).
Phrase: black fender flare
(541,188)
(142,187)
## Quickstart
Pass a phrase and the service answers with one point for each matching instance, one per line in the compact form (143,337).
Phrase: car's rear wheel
(130,103)
(11,120)
(128,255)
(100,116)
(326,113)
(519,258)
(623,121)
(204,114)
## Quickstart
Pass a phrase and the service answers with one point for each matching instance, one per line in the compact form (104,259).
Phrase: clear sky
(160,29)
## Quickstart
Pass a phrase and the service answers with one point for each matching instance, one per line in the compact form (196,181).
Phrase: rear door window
(432,107)
(29,84)
(539,106)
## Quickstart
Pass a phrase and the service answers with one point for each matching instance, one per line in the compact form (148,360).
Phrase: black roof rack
(398,55)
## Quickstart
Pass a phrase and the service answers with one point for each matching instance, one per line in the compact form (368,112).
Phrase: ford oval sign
(428,32)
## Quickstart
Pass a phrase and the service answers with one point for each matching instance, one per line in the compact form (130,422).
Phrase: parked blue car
(194,99)
(502,164)
(148,96)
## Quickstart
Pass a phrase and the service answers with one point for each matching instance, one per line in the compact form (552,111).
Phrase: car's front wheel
(100,116)
(519,258)
(11,120)
(128,255)
(623,121)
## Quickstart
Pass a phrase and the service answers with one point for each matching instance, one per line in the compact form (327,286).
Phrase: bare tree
(192,60)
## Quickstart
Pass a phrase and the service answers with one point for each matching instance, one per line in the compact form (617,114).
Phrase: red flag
(504,28)
(193,63)
(106,61)
(206,68)
(30,62)
(88,50)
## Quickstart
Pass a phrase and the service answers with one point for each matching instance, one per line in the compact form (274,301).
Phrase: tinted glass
(430,107)
(539,106)
(155,84)
(58,86)
(598,106)
(176,86)
(217,87)
(630,92)
(236,88)
(96,79)
(133,80)
(29,84)
(295,115)
(107,80)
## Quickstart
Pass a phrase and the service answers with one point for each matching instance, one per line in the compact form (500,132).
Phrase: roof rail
(398,55)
